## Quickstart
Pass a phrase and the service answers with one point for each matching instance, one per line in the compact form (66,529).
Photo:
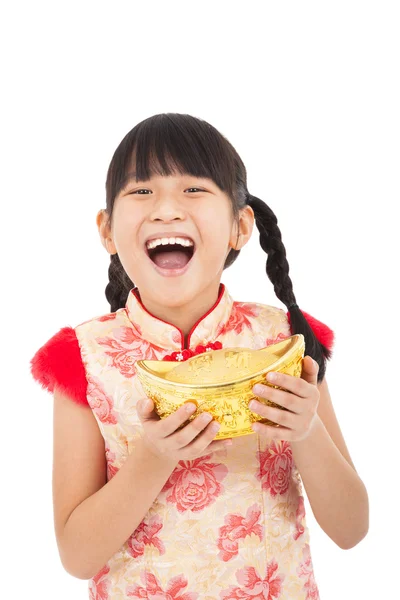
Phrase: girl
(142,508)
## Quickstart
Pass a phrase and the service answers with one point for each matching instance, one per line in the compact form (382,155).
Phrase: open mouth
(171,256)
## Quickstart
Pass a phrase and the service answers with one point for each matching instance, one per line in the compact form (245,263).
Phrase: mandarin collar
(168,336)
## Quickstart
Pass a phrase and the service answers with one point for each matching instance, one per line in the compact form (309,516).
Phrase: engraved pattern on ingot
(220,366)
(237,360)
(198,366)
(227,403)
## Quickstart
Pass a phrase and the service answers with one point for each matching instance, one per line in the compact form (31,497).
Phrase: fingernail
(253,405)
(228,442)
(190,407)
(206,418)
(146,404)
(215,427)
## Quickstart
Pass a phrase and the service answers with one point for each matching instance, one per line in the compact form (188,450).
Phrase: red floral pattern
(146,534)
(108,317)
(279,338)
(276,463)
(154,591)
(195,484)
(237,527)
(306,571)
(240,317)
(253,587)
(100,402)
(126,346)
(110,457)
(99,585)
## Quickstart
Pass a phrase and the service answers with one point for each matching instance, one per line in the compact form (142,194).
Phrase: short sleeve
(59,363)
(321,331)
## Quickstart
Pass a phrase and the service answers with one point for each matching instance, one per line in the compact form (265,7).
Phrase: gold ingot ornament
(220,382)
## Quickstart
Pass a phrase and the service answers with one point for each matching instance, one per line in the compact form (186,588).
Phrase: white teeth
(171,240)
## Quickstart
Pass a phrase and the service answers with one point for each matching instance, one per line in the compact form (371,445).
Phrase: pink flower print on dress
(108,317)
(279,338)
(99,585)
(253,587)
(306,570)
(110,457)
(239,318)
(154,591)
(276,463)
(300,514)
(100,402)
(237,527)
(126,346)
(195,484)
(146,534)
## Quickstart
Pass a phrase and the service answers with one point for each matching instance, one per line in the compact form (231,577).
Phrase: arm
(336,493)
(94,518)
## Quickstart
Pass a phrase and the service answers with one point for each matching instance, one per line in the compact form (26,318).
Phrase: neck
(186,314)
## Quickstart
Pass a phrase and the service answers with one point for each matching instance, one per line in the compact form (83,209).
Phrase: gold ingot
(220,382)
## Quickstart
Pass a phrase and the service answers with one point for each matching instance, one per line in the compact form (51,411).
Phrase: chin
(173,297)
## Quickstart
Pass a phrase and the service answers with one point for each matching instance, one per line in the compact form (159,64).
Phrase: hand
(302,399)
(161,437)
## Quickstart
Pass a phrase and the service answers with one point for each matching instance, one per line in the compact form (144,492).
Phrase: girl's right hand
(161,437)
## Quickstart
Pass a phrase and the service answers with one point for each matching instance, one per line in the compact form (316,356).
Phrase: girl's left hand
(302,399)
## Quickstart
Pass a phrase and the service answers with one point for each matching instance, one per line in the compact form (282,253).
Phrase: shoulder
(321,330)
(278,322)
(58,362)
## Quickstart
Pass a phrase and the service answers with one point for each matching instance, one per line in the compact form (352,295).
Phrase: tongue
(175,259)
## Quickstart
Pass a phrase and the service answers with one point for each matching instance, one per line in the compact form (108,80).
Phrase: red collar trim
(135,292)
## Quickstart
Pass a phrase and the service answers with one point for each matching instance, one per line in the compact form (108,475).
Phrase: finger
(276,415)
(170,424)
(203,439)
(146,410)
(293,384)
(286,399)
(310,370)
(186,435)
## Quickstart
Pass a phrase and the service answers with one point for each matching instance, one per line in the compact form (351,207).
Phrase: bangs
(168,144)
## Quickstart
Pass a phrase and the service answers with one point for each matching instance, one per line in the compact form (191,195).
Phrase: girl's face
(174,206)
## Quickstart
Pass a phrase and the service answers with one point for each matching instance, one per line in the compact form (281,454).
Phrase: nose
(167,208)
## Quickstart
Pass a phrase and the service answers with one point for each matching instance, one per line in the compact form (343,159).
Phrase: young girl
(142,508)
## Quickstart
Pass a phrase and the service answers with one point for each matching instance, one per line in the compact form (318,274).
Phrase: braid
(119,285)
(277,268)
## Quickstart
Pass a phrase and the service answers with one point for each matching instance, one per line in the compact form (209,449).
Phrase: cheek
(215,226)
(126,227)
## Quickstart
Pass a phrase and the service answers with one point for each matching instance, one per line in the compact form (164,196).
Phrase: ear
(241,235)
(103,225)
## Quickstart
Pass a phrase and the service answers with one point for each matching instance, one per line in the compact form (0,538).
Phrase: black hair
(172,142)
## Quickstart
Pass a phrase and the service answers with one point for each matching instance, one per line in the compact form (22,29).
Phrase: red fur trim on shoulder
(59,362)
(322,332)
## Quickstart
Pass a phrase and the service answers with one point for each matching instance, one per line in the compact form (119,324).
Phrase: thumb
(145,408)
(310,370)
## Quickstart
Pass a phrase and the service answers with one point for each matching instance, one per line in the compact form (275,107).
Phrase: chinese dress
(228,525)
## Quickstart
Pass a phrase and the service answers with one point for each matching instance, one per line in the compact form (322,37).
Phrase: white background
(308,93)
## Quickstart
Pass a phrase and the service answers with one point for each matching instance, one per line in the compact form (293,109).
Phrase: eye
(145,190)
